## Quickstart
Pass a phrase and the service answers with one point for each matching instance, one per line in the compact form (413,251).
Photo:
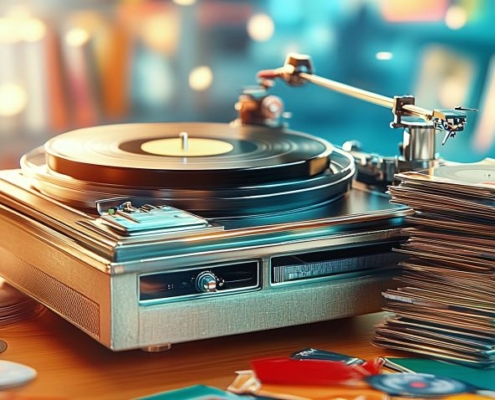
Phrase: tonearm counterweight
(420,124)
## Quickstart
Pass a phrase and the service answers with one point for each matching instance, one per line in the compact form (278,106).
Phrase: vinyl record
(467,173)
(16,306)
(15,374)
(417,385)
(186,155)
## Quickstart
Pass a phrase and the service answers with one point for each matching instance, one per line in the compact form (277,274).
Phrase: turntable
(145,235)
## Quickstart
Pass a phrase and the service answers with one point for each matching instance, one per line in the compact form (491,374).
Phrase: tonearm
(420,124)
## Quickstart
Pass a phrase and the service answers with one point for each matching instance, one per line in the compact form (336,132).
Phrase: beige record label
(190,147)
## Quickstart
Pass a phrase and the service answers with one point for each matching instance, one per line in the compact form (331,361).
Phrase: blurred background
(66,64)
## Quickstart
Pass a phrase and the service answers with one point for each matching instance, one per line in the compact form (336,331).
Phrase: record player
(145,235)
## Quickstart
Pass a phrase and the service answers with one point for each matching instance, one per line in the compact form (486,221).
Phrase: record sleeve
(443,306)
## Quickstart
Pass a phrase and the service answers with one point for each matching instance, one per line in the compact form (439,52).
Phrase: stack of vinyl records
(444,305)
(16,306)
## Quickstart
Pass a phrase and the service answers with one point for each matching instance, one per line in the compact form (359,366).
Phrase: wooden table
(72,365)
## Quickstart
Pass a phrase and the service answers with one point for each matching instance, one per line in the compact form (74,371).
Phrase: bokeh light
(13,99)
(200,78)
(456,17)
(77,37)
(33,30)
(159,32)
(184,2)
(260,27)
(8,31)
(384,55)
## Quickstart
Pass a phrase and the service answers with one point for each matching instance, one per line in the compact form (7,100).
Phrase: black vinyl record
(211,156)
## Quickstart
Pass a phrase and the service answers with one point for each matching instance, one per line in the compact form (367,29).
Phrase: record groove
(112,155)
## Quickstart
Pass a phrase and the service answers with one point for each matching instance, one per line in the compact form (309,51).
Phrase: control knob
(206,282)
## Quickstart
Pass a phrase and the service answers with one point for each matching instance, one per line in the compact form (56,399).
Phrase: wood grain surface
(72,365)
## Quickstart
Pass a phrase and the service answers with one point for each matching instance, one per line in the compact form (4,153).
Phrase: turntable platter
(214,155)
(222,171)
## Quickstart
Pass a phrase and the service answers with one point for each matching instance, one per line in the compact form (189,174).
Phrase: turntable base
(143,245)
(143,292)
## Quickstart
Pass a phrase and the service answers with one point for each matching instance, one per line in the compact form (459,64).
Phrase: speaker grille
(72,305)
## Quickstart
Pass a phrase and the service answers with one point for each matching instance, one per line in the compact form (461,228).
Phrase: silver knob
(206,282)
